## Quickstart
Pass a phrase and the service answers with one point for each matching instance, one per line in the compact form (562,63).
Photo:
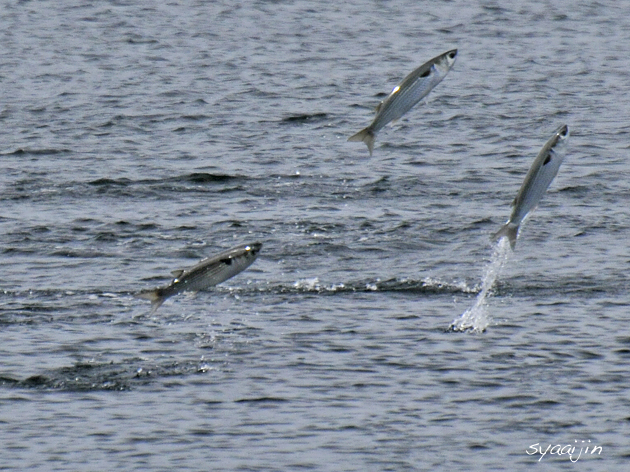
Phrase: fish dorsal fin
(177,273)
(378,107)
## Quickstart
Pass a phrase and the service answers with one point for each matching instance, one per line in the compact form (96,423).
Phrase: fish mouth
(563,131)
(254,248)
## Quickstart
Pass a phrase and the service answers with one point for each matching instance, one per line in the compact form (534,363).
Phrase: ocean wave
(427,285)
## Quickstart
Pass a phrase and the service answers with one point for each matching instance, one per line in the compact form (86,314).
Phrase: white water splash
(311,284)
(476,318)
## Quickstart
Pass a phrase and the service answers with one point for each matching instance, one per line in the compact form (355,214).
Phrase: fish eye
(452,54)
(564,131)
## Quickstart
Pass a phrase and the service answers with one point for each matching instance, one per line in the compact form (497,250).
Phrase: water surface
(138,138)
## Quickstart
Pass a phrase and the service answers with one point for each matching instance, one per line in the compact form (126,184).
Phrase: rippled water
(138,138)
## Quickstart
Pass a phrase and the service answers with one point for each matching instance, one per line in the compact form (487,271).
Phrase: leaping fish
(405,95)
(540,175)
(207,273)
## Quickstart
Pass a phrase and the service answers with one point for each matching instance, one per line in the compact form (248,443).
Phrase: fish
(540,175)
(405,95)
(207,273)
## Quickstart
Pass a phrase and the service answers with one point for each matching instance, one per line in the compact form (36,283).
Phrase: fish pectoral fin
(177,273)
(427,72)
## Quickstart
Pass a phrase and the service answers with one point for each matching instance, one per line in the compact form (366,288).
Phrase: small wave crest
(306,117)
(428,285)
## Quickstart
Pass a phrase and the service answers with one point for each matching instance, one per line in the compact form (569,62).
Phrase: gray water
(139,137)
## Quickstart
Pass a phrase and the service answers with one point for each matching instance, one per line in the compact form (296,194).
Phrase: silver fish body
(405,95)
(540,175)
(207,273)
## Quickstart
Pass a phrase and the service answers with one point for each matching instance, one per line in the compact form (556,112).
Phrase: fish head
(253,249)
(558,140)
(446,61)
(563,132)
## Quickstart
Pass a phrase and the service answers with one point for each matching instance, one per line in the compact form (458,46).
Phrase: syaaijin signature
(565,450)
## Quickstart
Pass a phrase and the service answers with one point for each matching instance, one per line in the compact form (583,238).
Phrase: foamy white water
(476,318)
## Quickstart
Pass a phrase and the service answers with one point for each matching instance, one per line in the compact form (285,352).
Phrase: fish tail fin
(154,296)
(508,230)
(367,136)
